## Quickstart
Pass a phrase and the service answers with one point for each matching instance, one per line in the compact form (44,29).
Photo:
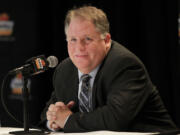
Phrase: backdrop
(148,28)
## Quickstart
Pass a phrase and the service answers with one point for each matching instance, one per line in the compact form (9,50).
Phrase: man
(102,86)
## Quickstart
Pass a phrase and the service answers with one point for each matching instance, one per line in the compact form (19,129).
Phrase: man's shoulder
(66,63)
(66,66)
(120,50)
(119,58)
(65,70)
(120,54)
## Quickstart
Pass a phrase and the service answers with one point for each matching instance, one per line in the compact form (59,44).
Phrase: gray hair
(93,14)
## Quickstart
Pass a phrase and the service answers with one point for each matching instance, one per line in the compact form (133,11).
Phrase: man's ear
(107,38)
(107,41)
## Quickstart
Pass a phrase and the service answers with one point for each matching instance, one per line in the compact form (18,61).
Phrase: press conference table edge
(6,130)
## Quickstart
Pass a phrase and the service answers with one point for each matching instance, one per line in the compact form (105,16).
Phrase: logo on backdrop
(6,27)
(16,86)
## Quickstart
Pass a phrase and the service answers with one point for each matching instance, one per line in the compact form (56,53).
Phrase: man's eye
(88,39)
(73,40)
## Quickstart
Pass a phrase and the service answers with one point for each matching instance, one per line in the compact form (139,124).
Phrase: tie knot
(85,78)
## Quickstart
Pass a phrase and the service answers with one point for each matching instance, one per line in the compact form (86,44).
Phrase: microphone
(36,65)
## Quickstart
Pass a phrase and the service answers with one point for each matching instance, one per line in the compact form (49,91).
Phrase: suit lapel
(73,86)
(94,96)
(95,85)
(97,91)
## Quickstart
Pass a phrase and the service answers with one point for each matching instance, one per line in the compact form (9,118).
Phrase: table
(6,130)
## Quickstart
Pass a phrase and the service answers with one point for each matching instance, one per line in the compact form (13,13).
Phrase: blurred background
(28,28)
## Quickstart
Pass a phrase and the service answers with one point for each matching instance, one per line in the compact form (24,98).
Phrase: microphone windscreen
(53,61)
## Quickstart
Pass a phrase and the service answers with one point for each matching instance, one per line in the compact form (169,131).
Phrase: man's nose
(81,45)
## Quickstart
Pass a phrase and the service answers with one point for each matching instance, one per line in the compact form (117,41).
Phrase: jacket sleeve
(125,88)
(52,100)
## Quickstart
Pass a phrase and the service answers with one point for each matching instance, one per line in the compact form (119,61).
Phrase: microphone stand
(26,114)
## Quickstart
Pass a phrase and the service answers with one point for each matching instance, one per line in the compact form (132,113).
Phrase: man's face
(86,48)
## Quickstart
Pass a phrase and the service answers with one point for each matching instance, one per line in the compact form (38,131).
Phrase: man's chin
(84,69)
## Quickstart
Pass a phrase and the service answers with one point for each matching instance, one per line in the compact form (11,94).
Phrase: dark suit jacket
(124,99)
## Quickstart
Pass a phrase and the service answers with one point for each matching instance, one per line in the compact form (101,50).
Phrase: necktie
(84,104)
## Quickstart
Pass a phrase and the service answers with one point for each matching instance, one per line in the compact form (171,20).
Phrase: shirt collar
(92,73)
